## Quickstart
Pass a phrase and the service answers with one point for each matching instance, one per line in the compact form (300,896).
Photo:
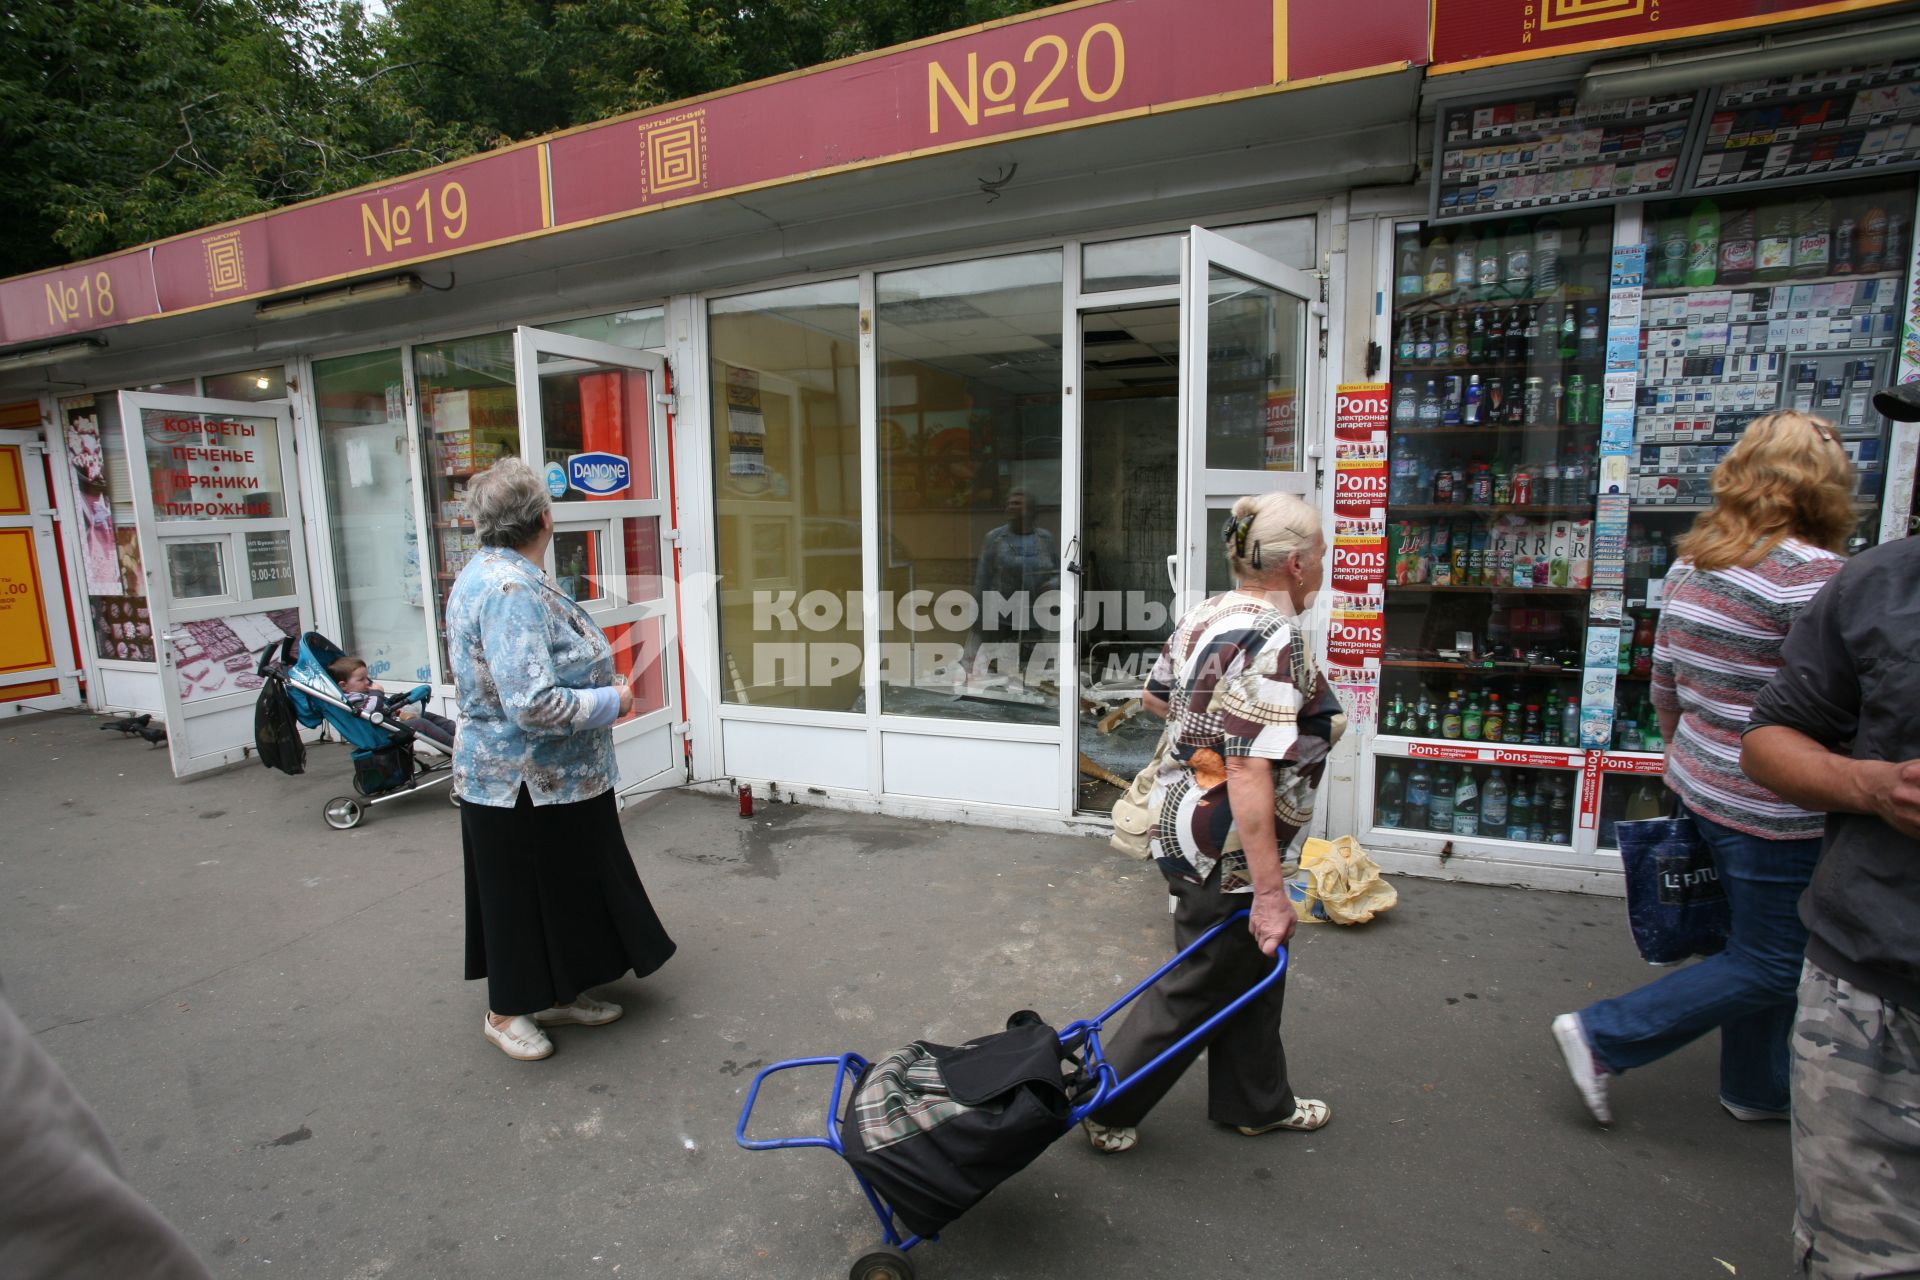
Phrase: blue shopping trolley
(929,1130)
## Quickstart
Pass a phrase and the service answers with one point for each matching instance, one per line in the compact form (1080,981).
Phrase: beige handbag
(1134,816)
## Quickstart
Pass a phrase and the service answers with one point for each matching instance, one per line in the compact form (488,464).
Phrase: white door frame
(34,518)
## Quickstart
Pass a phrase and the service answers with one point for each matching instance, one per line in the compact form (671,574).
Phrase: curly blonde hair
(1788,477)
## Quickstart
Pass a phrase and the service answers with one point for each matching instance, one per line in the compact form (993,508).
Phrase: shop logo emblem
(556,480)
(676,152)
(600,474)
(1573,13)
(226,264)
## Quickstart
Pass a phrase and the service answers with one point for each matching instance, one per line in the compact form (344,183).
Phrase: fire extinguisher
(746,800)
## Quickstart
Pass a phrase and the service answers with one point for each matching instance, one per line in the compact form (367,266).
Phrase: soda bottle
(1457,339)
(1408,279)
(1429,413)
(1473,719)
(1843,245)
(1493,805)
(1658,554)
(1419,791)
(1588,343)
(1703,245)
(1495,721)
(1477,338)
(1515,346)
(1450,720)
(1537,822)
(1404,469)
(1546,256)
(1550,722)
(1872,239)
(1466,263)
(1774,256)
(1737,247)
(1560,813)
(1392,795)
(1531,734)
(1624,664)
(1519,273)
(1466,804)
(1421,709)
(1406,402)
(1570,723)
(1440,800)
(1673,253)
(1519,809)
(1813,237)
(1650,736)
(1439,266)
(1502,485)
(1569,343)
(1643,633)
(1491,266)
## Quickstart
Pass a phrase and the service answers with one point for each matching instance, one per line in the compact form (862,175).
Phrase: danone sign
(600,474)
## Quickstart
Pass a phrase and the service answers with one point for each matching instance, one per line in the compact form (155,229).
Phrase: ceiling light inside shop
(1755,59)
(332,299)
(37,356)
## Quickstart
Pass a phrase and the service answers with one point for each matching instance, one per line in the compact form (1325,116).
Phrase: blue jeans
(1748,990)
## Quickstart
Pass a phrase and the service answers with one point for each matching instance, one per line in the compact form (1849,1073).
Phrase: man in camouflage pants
(1838,729)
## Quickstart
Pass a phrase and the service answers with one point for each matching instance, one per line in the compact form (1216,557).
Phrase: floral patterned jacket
(534,679)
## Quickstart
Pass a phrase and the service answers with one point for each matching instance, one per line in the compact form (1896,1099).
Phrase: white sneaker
(520,1039)
(585,1011)
(1589,1077)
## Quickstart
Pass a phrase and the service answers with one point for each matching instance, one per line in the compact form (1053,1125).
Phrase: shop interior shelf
(1785,282)
(1494,667)
(1498,429)
(1426,588)
(1469,509)
(1454,302)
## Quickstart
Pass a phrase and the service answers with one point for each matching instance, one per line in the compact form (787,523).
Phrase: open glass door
(36,648)
(594,423)
(217,503)
(1251,383)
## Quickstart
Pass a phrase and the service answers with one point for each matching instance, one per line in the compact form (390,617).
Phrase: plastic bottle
(1624,663)
(1519,810)
(1477,338)
(1643,632)
(1845,241)
(1871,239)
(1439,266)
(1650,736)
(1570,723)
(1493,804)
(1813,237)
(1514,345)
(1546,256)
(1673,253)
(1392,794)
(1537,824)
(1473,719)
(1737,247)
(1409,281)
(1419,792)
(1466,803)
(1588,342)
(1440,800)
(1658,554)
(1406,402)
(1466,264)
(1774,258)
(1531,734)
(1569,341)
(1560,813)
(1429,412)
(1519,273)
(1422,709)
(1404,469)
(1703,245)
(1491,267)
(1423,341)
(1494,723)
(1450,719)
(1550,721)
(1502,484)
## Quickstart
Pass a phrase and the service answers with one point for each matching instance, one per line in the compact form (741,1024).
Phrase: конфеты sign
(205,469)
(1068,67)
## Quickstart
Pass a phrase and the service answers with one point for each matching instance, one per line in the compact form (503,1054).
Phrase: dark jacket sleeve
(1817,689)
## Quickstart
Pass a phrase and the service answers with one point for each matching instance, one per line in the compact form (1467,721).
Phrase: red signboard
(1471,754)
(90,295)
(1071,66)
(1354,636)
(1478,33)
(1360,485)
(1360,411)
(1359,557)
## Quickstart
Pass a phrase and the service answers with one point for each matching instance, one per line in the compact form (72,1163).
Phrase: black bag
(1675,903)
(275,735)
(935,1128)
(382,769)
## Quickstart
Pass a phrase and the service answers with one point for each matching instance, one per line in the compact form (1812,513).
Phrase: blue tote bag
(1675,902)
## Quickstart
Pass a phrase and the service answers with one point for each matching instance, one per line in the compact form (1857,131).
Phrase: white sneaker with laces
(585,1011)
(1588,1076)
(520,1039)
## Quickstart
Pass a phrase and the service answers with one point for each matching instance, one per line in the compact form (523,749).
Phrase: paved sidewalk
(269,1018)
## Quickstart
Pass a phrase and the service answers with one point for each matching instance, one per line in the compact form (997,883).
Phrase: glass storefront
(470,419)
(370,502)
(969,364)
(787,513)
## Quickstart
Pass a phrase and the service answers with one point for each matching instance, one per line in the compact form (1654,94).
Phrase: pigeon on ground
(130,726)
(157,735)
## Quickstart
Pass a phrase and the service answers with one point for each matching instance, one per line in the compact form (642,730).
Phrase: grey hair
(506,502)
(1281,525)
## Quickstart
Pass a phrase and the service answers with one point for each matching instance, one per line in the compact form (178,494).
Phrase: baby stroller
(929,1130)
(386,764)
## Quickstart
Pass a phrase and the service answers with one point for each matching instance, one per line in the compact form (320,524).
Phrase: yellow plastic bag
(1339,882)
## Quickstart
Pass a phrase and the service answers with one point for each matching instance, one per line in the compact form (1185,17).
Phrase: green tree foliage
(123,121)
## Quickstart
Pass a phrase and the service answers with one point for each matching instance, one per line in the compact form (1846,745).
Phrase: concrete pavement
(269,1018)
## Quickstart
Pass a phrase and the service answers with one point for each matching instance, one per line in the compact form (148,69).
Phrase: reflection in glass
(1132,264)
(578,562)
(1255,359)
(593,423)
(969,376)
(1289,240)
(639,655)
(786,439)
(641,329)
(196,570)
(203,466)
(369,482)
(641,538)
(470,417)
(269,383)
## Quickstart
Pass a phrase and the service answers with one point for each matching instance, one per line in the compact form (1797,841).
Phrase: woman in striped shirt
(1783,509)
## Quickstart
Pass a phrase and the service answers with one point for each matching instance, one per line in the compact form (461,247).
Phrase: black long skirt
(554,904)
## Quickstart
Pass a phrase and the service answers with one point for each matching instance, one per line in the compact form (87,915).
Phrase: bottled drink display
(1475,801)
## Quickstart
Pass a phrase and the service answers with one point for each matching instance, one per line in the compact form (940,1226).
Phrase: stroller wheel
(882,1264)
(343,813)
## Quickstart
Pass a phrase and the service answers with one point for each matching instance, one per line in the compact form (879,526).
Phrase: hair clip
(1823,429)
(1255,561)
(1234,536)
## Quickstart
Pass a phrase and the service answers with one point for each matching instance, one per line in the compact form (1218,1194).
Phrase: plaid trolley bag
(934,1129)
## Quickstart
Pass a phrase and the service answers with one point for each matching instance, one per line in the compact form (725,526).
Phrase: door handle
(1173,573)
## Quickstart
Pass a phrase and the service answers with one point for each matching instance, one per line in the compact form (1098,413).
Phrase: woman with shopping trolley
(1251,720)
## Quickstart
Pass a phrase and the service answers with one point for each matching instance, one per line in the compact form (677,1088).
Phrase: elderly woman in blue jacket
(554,904)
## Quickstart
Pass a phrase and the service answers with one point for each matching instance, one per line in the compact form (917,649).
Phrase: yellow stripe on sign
(1279,41)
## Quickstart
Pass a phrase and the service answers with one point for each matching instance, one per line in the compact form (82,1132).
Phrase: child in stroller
(350,670)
